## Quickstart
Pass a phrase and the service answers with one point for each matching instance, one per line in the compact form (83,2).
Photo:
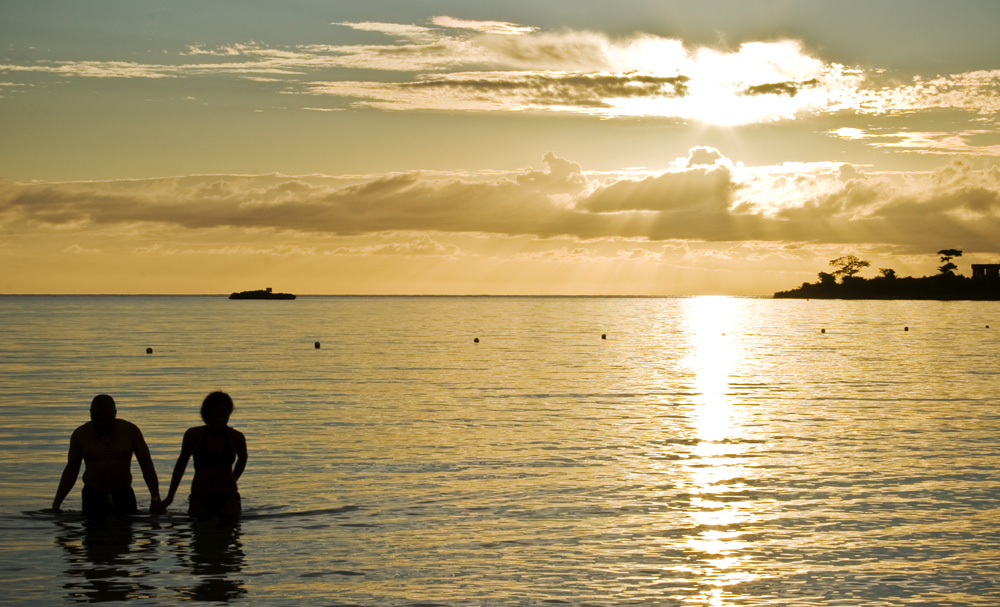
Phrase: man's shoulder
(83,430)
(127,426)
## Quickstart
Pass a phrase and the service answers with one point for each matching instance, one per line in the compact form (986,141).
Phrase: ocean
(584,451)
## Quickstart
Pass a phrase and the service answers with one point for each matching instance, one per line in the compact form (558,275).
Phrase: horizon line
(360,295)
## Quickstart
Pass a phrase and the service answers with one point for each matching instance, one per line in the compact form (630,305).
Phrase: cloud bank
(705,197)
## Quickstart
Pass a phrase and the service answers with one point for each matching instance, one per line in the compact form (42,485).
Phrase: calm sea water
(708,451)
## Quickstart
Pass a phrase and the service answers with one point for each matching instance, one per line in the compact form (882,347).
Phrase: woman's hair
(216,401)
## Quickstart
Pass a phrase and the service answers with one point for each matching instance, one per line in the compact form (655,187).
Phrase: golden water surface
(586,451)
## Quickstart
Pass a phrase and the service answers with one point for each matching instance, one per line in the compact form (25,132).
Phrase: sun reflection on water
(715,469)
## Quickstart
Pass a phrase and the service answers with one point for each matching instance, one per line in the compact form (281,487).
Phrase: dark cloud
(780,88)
(701,189)
(583,90)
(957,206)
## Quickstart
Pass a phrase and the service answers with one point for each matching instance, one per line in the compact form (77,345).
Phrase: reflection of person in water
(106,561)
(215,447)
(212,561)
(106,444)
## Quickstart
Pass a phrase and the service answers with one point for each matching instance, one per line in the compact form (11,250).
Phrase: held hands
(158,507)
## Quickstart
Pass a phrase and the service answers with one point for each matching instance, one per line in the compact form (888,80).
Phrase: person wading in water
(215,448)
(106,445)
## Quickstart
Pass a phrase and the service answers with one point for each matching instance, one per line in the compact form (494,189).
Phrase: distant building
(986,271)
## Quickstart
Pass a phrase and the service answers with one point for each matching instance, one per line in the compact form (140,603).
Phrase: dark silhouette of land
(943,287)
(984,285)
(261,294)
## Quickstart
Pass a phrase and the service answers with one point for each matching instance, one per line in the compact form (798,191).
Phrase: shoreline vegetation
(843,282)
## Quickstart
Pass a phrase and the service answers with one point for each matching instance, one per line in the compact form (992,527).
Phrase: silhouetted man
(106,445)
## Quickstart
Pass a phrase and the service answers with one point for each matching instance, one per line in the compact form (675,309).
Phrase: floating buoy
(149,350)
(316,345)
(476,340)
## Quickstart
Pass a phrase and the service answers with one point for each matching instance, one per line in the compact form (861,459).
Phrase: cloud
(391,202)
(419,246)
(580,52)
(95,69)
(955,204)
(848,172)
(592,254)
(781,88)
(76,249)
(637,255)
(977,92)
(945,143)
(506,91)
(487,27)
(705,197)
(849,133)
(233,50)
(561,176)
(701,190)
(704,188)
(280,250)
(590,73)
(398,30)
(704,156)
(452,64)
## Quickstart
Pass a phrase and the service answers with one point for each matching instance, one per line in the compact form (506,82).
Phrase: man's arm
(70,472)
(141,450)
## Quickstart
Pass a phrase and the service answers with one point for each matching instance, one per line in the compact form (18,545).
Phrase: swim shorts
(103,503)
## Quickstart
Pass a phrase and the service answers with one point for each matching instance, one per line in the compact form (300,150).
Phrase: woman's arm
(240,446)
(182,460)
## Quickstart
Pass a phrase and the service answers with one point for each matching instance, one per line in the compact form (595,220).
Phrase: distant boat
(261,294)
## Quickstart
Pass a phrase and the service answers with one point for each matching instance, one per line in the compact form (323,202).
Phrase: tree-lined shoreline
(844,283)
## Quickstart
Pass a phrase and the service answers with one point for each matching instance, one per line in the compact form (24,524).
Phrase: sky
(634,147)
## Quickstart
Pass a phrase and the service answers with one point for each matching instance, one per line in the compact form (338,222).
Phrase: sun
(759,82)
(712,101)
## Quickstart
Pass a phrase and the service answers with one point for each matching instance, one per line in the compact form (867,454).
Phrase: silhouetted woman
(215,447)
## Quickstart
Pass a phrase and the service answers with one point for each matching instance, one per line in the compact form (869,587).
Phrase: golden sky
(635,147)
